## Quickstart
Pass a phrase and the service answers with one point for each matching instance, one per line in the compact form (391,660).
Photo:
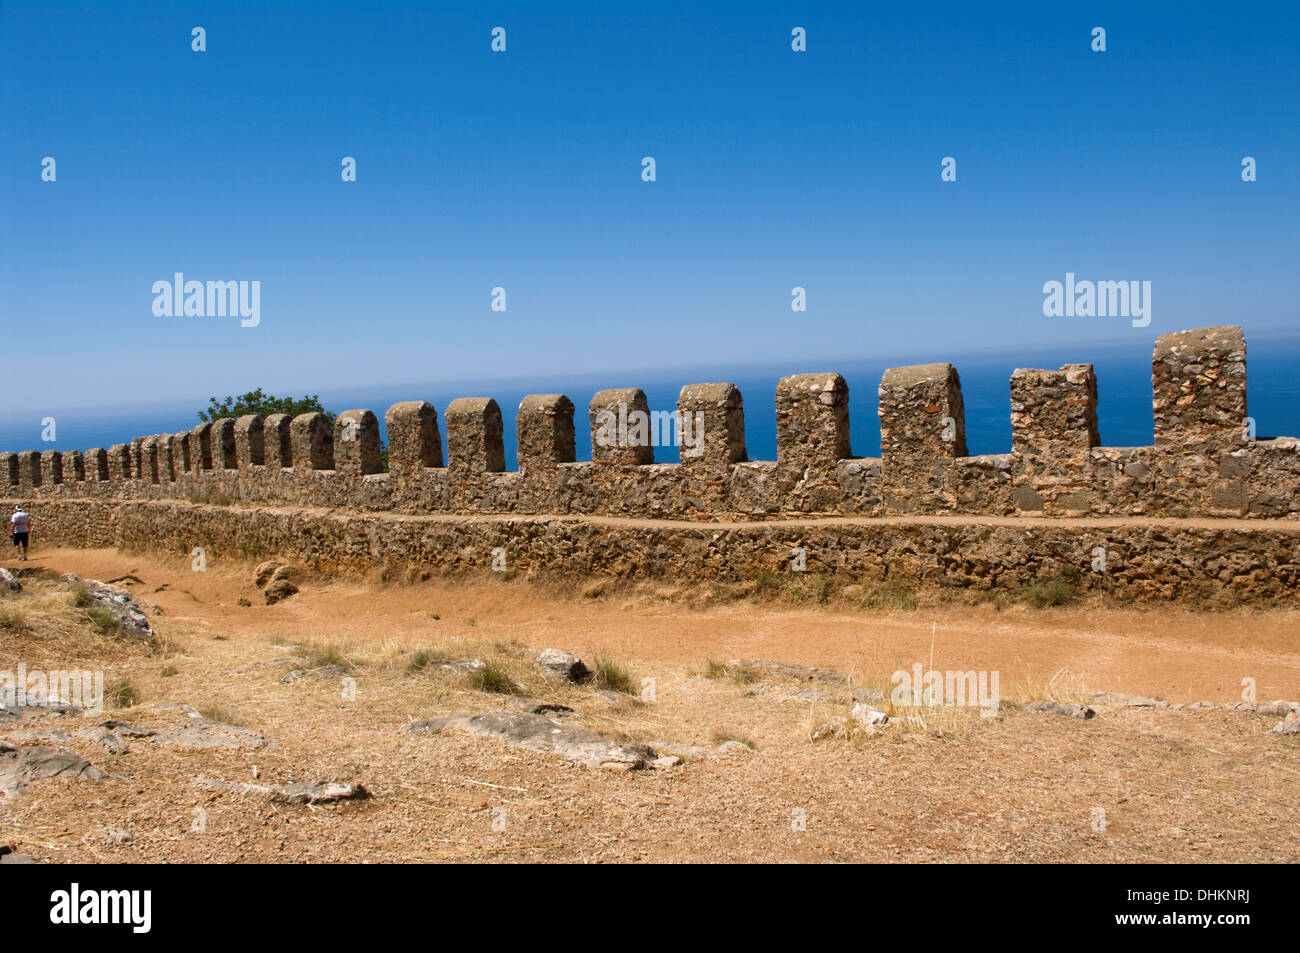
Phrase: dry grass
(938,784)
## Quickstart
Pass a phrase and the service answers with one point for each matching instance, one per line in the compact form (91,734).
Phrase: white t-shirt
(21,522)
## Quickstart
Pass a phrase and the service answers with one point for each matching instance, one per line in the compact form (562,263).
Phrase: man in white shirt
(21,524)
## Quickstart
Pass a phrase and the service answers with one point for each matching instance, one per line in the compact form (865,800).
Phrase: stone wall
(1200,465)
(1222,561)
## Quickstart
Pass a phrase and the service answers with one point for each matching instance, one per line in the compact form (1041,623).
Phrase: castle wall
(1200,464)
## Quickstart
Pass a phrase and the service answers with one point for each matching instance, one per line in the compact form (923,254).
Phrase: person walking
(21,524)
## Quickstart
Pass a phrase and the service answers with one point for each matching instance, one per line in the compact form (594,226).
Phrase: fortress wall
(1199,465)
(1146,559)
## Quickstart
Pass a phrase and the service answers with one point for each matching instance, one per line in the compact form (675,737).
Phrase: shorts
(20,539)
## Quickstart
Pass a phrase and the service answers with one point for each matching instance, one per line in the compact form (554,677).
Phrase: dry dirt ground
(938,784)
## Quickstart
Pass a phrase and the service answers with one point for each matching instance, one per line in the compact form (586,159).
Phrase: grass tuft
(612,675)
(493,678)
(120,694)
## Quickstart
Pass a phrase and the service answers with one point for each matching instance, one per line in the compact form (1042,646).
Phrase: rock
(199,732)
(184,708)
(539,733)
(1278,709)
(56,736)
(1290,725)
(1128,701)
(20,765)
(119,835)
(128,730)
(868,717)
(244,601)
(862,719)
(279,590)
(284,574)
(615,700)
(263,573)
(7,856)
(107,739)
(564,664)
(15,714)
(683,752)
(325,671)
(465,665)
(299,792)
(319,792)
(122,606)
(666,761)
(10,580)
(734,747)
(1063,708)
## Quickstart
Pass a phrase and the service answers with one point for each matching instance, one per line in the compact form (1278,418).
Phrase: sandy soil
(938,785)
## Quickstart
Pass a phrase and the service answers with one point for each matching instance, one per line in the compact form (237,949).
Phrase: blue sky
(522,170)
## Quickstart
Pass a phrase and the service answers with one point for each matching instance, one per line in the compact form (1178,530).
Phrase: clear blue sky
(523,170)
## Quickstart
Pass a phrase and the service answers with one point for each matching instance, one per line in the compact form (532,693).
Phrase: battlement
(1200,464)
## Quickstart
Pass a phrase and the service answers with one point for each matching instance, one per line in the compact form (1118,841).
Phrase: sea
(1123,372)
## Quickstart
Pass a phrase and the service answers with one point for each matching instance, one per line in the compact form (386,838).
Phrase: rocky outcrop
(540,733)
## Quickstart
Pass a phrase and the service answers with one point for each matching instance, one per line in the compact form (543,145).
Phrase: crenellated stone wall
(1200,465)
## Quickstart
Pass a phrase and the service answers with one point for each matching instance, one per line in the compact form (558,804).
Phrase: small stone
(279,590)
(666,761)
(867,716)
(319,792)
(118,835)
(262,575)
(539,733)
(735,747)
(1063,708)
(564,664)
(1290,725)
(1279,709)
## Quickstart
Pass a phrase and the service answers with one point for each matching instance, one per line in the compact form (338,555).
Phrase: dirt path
(1172,653)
